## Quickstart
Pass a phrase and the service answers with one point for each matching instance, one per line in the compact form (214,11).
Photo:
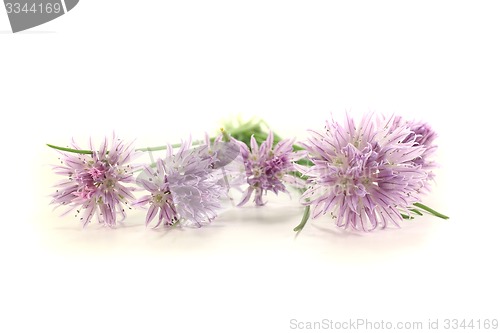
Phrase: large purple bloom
(182,188)
(364,176)
(96,183)
(267,168)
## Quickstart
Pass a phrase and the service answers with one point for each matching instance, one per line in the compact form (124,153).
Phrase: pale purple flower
(228,165)
(424,136)
(96,184)
(268,168)
(182,188)
(364,176)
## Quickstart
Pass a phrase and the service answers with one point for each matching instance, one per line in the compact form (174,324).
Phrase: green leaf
(416,211)
(430,210)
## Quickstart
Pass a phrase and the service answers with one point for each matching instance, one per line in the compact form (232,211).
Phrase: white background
(158,71)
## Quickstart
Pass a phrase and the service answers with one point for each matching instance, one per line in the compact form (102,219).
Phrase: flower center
(257,172)
(160,198)
(96,174)
(109,183)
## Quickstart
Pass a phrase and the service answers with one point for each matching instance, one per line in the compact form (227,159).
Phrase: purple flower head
(424,136)
(183,187)
(95,183)
(364,175)
(268,168)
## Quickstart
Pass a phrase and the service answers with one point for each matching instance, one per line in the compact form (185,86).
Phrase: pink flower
(95,183)
(267,168)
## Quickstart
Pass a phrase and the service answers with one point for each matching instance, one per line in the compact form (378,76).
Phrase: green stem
(158,148)
(225,136)
(430,210)
(71,150)
(305,218)
(89,152)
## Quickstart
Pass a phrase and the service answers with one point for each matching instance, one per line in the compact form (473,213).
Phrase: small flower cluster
(98,183)
(182,188)
(364,175)
(268,167)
